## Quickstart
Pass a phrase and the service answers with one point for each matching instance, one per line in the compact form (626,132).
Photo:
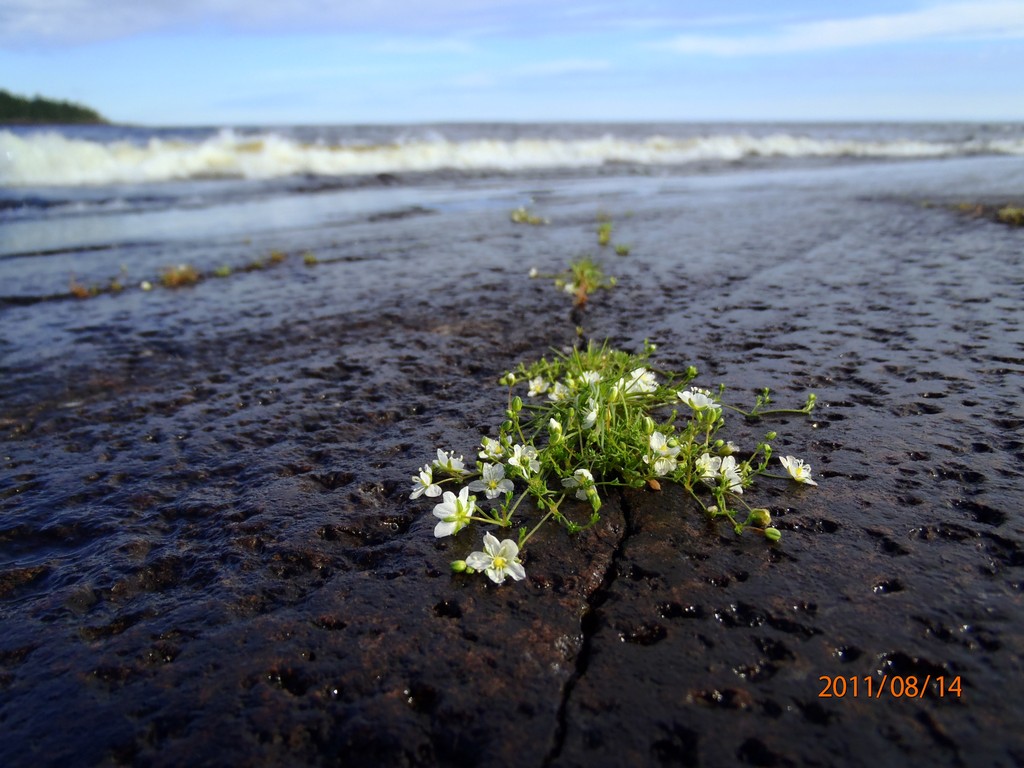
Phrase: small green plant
(79,290)
(593,421)
(522,216)
(1011,215)
(622,250)
(277,257)
(222,271)
(604,233)
(179,276)
(309,259)
(581,279)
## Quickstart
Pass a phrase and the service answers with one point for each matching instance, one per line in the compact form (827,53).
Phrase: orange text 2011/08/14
(890,686)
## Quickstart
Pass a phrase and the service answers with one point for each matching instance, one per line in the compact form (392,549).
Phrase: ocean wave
(49,158)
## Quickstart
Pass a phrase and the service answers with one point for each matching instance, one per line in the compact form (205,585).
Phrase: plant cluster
(179,275)
(182,275)
(593,421)
(1010,214)
(581,279)
(1014,216)
(523,216)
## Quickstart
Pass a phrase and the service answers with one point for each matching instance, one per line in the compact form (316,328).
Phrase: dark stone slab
(209,555)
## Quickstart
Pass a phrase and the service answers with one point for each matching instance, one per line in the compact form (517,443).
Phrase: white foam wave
(53,159)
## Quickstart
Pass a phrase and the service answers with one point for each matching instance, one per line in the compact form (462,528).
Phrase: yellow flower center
(499,563)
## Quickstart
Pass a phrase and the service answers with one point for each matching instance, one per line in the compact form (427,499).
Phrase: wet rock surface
(208,553)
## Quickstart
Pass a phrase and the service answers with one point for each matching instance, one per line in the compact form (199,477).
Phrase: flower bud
(517,404)
(772,534)
(761,517)
(459,566)
(649,425)
(770,436)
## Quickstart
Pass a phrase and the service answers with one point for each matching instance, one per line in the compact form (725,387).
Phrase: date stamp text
(890,686)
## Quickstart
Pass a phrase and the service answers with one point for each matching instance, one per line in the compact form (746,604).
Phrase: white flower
(569,288)
(715,467)
(455,512)
(698,399)
(449,462)
(554,430)
(591,418)
(708,466)
(664,466)
(797,469)
(589,378)
(524,458)
(538,386)
(146,285)
(731,473)
(423,484)
(491,449)
(640,381)
(558,392)
(662,454)
(582,481)
(492,481)
(533,272)
(498,560)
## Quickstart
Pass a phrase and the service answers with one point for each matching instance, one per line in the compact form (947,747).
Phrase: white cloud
(31,21)
(26,23)
(950,21)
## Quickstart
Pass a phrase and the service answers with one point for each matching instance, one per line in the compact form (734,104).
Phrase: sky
(266,62)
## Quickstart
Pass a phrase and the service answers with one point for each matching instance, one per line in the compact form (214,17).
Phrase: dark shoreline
(209,553)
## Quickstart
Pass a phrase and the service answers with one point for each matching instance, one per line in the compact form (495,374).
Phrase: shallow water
(207,549)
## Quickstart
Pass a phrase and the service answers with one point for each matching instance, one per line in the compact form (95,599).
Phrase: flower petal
(478,561)
(491,545)
(508,549)
(445,528)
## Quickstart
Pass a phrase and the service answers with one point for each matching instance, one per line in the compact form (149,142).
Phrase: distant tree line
(17,109)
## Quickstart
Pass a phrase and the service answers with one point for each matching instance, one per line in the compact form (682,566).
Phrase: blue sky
(231,62)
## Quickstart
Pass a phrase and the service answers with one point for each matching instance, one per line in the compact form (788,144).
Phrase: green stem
(543,520)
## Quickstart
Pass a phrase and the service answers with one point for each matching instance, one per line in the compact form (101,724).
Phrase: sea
(69,193)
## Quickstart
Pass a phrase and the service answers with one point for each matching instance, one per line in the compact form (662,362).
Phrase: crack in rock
(589,625)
